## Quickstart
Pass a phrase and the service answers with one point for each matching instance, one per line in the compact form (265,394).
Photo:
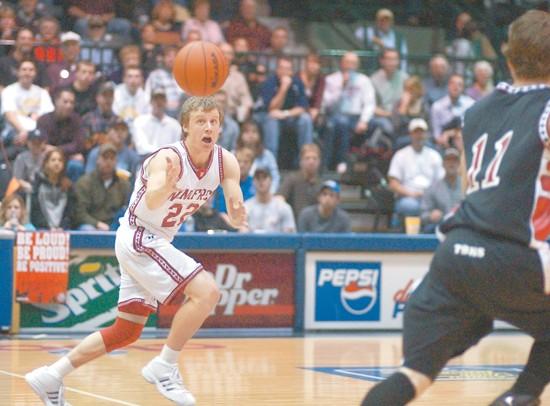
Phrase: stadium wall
(280,282)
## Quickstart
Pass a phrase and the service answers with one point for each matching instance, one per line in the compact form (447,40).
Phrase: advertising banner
(257,290)
(359,290)
(41,266)
(91,300)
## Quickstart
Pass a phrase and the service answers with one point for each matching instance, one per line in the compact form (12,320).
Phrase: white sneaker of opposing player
(167,379)
(47,386)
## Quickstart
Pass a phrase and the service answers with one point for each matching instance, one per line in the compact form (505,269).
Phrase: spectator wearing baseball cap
(413,169)
(63,73)
(101,195)
(265,212)
(445,194)
(325,216)
(127,159)
(28,162)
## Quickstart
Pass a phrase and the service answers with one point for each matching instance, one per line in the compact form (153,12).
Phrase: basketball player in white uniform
(174,182)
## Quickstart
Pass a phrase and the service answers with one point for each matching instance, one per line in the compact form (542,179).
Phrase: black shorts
(473,279)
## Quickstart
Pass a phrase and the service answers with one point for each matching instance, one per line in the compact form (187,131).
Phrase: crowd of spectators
(87,93)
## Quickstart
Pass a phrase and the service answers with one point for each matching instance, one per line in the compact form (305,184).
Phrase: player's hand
(237,213)
(172,174)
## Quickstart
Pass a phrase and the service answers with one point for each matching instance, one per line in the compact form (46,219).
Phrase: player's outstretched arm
(234,200)
(163,173)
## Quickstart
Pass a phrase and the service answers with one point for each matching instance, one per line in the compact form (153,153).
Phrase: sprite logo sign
(91,300)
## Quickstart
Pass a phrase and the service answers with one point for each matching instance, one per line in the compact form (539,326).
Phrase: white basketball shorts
(152,270)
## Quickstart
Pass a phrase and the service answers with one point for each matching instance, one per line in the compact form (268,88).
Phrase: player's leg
(430,339)
(532,380)
(134,307)
(528,307)
(202,295)
(47,381)
(166,272)
(438,325)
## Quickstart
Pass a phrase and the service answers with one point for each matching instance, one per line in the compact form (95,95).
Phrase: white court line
(81,392)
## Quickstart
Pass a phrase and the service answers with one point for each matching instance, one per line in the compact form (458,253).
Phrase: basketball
(200,68)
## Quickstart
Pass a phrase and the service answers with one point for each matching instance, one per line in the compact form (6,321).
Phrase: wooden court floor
(264,371)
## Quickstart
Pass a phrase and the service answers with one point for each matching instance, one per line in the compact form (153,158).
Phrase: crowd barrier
(267,281)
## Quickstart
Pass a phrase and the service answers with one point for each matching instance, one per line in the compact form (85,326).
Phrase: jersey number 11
(491,178)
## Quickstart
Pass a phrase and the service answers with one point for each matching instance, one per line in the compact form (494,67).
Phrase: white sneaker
(168,381)
(47,386)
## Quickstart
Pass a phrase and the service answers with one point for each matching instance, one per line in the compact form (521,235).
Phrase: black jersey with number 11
(508,167)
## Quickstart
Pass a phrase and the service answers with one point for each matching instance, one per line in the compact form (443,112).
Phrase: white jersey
(195,187)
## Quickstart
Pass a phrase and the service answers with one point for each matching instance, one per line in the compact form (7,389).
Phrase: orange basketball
(200,68)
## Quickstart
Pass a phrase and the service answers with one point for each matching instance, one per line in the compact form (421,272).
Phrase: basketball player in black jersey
(494,262)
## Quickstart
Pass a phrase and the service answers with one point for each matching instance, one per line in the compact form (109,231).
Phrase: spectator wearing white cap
(63,73)
(413,169)
(382,35)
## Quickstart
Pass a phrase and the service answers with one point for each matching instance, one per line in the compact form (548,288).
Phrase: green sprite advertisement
(91,300)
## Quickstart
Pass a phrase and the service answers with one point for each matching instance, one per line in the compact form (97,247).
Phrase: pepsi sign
(347,291)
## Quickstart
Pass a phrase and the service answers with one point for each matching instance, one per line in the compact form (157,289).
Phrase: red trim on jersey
(148,159)
(540,216)
(182,285)
(541,219)
(199,173)
(136,306)
(132,217)
(220,163)
(543,123)
(155,256)
(181,160)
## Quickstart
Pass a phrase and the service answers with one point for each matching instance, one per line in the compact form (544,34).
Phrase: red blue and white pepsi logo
(347,291)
